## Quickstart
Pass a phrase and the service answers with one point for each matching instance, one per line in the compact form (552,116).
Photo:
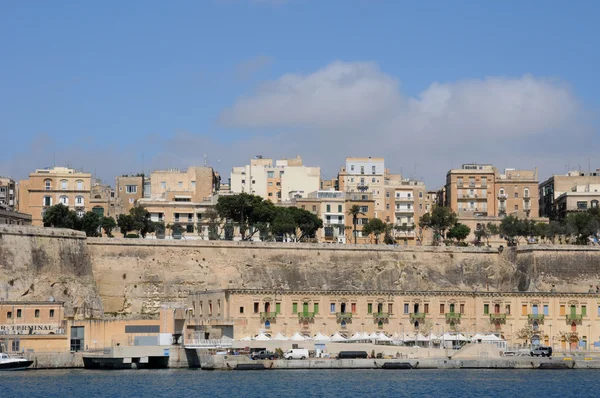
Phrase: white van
(296,353)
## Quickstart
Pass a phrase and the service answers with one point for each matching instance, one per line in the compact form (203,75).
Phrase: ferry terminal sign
(26,329)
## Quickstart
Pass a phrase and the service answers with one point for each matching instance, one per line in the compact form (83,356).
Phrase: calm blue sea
(301,383)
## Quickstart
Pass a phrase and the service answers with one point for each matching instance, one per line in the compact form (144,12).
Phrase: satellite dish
(51,299)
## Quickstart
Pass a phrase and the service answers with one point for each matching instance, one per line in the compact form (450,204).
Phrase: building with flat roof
(557,319)
(128,190)
(278,181)
(48,187)
(8,193)
(572,185)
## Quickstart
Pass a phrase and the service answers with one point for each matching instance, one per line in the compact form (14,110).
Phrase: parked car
(296,353)
(541,351)
(264,355)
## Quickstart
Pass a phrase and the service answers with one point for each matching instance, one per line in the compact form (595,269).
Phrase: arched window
(267,324)
(47,185)
(380,324)
(594,204)
(97,197)
(501,191)
(496,308)
(79,201)
(417,325)
(573,327)
(64,200)
(79,185)
(452,308)
(64,184)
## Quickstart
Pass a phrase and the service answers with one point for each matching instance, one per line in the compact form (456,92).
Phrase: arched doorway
(380,325)
(417,325)
(536,326)
(267,306)
(535,340)
(343,308)
(574,342)
(379,308)
(498,325)
(416,308)
(343,324)
(267,324)
(573,327)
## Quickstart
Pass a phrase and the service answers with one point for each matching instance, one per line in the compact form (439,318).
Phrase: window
(486,309)
(278,308)
(353,308)
(193,183)
(51,313)
(581,205)
(79,200)
(516,207)
(241,310)
(406,308)
(526,192)
(270,184)
(369,308)
(63,184)
(80,213)
(64,200)
(583,310)
(270,174)
(546,309)
(36,313)
(132,201)
(294,308)
(243,181)
(442,308)
(462,308)
(77,341)
(340,209)
(390,308)
(332,308)
(351,167)
(562,309)
(19,313)
(79,184)
(47,201)
(599,310)
(270,193)
(373,169)
(163,185)
(387,194)
(364,209)
(420,194)
(48,184)
(131,188)
(516,194)
(189,228)
(594,204)
(9,314)
(328,208)
(256,308)
(316,308)
(314,208)
(507,309)
(524,309)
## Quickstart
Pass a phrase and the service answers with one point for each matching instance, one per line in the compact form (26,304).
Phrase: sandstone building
(48,187)
(129,189)
(574,191)
(8,193)
(277,181)
(557,319)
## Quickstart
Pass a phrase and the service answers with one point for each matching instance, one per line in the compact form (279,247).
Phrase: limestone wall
(39,263)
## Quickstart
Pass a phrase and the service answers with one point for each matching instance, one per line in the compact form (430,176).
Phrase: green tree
(388,239)
(511,229)
(582,226)
(59,216)
(177,230)
(239,208)
(307,223)
(284,223)
(440,220)
(374,226)
(90,223)
(126,223)
(459,232)
(210,219)
(141,221)
(354,212)
(485,232)
(542,230)
(405,229)
(108,224)
(160,229)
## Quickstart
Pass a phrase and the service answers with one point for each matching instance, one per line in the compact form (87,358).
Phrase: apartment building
(406,201)
(579,198)
(365,175)
(129,189)
(481,190)
(333,207)
(50,186)
(277,181)
(103,200)
(179,197)
(560,320)
(571,185)
(8,193)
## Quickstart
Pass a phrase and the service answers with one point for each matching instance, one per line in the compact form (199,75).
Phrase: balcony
(502,196)
(417,316)
(343,315)
(381,315)
(574,317)
(405,198)
(453,316)
(306,315)
(536,317)
(268,315)
(404,210)
(498,318)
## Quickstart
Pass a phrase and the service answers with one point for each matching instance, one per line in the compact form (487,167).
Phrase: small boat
(16,363)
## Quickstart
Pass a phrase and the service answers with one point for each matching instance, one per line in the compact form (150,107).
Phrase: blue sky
(118,87)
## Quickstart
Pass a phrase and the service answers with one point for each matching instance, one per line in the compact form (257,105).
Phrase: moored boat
(13,363)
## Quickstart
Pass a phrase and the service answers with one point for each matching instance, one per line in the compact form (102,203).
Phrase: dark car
(541,351)
(264,355)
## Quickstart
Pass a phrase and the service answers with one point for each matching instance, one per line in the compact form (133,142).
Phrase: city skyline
(427,88)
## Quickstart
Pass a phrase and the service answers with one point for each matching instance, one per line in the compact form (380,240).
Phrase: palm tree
(354,211)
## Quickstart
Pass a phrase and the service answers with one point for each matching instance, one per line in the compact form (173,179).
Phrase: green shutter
(294,308)
(278,308)
(305,308)
(316,308)
(573,310)
(583,310)
(369,308)
(486,309)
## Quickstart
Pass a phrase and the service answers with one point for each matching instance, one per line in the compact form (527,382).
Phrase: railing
(344,315)
(306,315)
(417,316)
(535,317)
(453,315)
(268,315)
(574,317)
(381,315)
(497,317)
(209,343)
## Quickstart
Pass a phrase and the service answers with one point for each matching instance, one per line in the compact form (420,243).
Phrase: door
(535,309)
(305,308)
(573,311)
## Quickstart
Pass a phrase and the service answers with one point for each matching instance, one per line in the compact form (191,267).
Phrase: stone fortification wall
(39,263)
(137,275)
